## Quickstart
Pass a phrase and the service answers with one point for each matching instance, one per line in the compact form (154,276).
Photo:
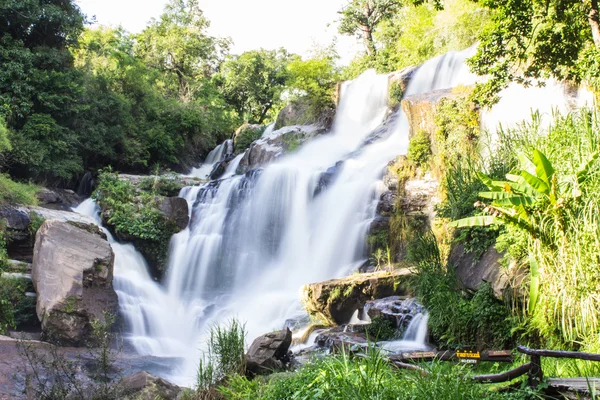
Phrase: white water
(415,337)
(219,153)
(254,240)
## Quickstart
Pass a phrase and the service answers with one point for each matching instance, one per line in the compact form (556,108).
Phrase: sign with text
(468,354)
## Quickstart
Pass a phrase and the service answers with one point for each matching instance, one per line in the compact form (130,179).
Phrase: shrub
(381,329)
(16,309)
(419,149)
(247,135)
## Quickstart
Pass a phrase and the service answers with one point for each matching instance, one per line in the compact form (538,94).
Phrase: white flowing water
(254,240)
(218,154)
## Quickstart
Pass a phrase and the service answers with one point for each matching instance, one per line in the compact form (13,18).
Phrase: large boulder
(335,301)
(472,272)
(176,210)
(144,386)
(269,352)
(72,273)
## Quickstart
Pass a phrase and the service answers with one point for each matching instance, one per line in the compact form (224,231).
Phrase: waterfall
(219,153)
(254,240)
(415,337)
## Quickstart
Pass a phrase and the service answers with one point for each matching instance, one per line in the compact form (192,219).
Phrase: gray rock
(342,338)
(269,353)
(269,148)
(144,386)
(299,113)
(59,199)
(176,209)
(398,310)
(472,273)
(72,273)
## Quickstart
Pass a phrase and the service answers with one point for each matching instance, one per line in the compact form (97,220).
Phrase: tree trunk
(594,20)
(369,42)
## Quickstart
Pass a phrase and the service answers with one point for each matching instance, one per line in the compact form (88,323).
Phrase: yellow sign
(467,354)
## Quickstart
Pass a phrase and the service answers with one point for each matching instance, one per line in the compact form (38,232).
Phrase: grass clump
(12,192)
(247,135)
(419,149)
(381,328)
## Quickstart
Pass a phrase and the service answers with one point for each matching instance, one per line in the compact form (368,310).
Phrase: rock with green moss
(302,112)
(72,273)
(334,301)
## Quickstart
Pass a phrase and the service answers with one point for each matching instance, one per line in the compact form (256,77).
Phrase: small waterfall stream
(254,240)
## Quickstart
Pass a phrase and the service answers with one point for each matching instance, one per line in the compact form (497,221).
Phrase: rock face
(269,352)
(145,386)
(472,273)
(273,146)
(398,82)
(300,113)
(72,274)
(58,199)
(335,301)
(176,209)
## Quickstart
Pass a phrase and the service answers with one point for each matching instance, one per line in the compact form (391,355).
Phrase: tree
(528,40)
(361,17)
(178,45)
(254,81)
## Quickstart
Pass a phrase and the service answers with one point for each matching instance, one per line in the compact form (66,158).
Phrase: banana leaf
(534,284)
(480,220)
(539,185)
(543,167)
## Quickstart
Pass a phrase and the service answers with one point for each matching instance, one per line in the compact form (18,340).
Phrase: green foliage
(12,192)
(455,319)
(161,185)
(534,39)
(253,83)
(16,309)
(246,136)
(477,240)
(381,328)
(4,138)
(362,378)
(314,80)
(419,149)
(361,17)
(135,218)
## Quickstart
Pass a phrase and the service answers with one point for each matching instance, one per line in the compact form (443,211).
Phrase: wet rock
(398,310)
(72,274)
(144,386)
(398,82)
(471,273)
(269,148)
(336,300)
(58,199)
(341,339)
(327,178)
(176,210)
(269,352)
(387,202)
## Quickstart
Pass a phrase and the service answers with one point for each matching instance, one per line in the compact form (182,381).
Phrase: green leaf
(487,181)
(584,171)
(534,284)
(480,220)
(536,183)
(543,167)
(495,195)
(514,201)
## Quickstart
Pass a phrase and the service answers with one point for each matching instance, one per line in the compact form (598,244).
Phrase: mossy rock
(333,302)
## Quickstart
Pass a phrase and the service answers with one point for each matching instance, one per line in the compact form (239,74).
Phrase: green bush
(247,135)
(456,320)
(381,329)
(135,217)
(419,149)
(161,185)
(16,309)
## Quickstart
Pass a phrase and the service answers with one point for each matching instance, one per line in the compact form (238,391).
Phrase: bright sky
(293,24)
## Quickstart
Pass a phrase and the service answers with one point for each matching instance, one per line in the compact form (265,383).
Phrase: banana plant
(528,197)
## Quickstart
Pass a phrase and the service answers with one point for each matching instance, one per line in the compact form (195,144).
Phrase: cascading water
(254,240)
(218,154)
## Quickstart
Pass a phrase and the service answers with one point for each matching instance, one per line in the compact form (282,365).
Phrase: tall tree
(178,44)
(532,39)
(361,17)
(254,81)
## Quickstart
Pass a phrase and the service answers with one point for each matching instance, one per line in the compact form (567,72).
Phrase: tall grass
(362,378)
(12,192)
(567,311)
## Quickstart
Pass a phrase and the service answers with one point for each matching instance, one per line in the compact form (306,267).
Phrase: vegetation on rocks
(135,217)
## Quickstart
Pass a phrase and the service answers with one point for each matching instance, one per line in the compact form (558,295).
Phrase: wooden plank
(499,353)
(580,385)
(559,354)
(505,376)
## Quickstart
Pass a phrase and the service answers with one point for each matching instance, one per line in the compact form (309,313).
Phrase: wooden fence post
(536,375)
